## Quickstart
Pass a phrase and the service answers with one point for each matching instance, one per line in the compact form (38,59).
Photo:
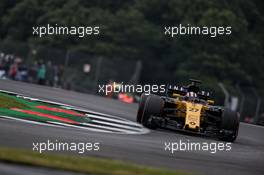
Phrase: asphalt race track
(246,156)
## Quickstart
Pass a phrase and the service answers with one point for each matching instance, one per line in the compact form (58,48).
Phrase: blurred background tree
(134,30)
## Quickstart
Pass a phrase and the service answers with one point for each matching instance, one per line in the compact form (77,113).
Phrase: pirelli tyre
(142,102)
(229,125)
(153,107)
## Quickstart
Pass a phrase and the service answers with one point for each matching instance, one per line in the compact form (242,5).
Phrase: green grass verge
(20,115)
(87,165)
(8,102)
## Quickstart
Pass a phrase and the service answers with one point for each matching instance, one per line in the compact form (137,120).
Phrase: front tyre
(153,107)
(141,107)
(229,125)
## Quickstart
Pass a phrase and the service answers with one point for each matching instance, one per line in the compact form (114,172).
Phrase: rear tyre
(153,107)
(229,125)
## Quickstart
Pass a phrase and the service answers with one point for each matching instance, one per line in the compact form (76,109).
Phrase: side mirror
(176,95)
(210,102)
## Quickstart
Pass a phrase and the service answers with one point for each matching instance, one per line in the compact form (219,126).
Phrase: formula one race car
(189,109)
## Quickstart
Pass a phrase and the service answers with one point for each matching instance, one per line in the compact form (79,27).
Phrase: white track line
(64,125)
(114,120)
(109,128)
(80,127)
(117,125)
(52,124)
(144,131)
(92,112)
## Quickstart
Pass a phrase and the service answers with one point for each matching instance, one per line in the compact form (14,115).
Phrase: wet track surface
(246,156)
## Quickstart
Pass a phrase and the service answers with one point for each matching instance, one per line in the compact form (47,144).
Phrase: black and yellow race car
(189,109)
